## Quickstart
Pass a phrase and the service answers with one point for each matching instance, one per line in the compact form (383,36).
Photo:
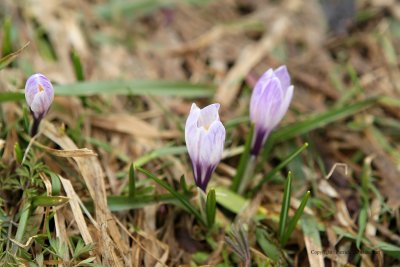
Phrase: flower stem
(248,174)
(35,126)
(244,160)
(202,202)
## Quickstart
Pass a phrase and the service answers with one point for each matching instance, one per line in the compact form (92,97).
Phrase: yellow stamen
(206,127)
(40,87)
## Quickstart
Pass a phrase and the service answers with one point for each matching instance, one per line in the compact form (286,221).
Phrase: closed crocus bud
(269,103)
(39,94)
(205,137)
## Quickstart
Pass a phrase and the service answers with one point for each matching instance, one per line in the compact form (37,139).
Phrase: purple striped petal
(269,103)
(205,137)
(39,94)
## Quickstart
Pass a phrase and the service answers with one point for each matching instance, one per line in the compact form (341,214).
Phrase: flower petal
(204,136)
(40,104)
(268,104)
(266,77)
(211,147)
(285,104)
(259,89)
(192,133)
(283,76)
(193,116)
(31,89)
(35,85)
(208,115)
(212,143)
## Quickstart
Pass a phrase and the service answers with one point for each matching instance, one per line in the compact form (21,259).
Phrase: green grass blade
(211,208)
(164,151)
(55,184)
(132,182)
(321,120)
(354,90)
(230,200)
(48,201)
(365,185)
(293,222)
(138,8)
(243,161)
(285,207)
(18,153)
(4,61)
(183,184)
(178,196)
(136,87)
(278,168)
(309,225)
(269,248)
(124,203)
(317,121)
(23,221)
(143,87)
(7,42)
(132,8)
(108,148)
(387,248)
(77,63)
(362,224)
(236,121)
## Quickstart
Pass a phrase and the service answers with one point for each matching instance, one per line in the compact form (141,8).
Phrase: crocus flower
(269,103)
(204,136)
(39,94)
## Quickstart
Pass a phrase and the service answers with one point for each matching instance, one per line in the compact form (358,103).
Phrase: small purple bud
(269,103)
(39,95)
(205,137)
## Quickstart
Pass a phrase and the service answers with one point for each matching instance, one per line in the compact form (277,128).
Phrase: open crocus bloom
(269,103)
(39,94)
(205,137)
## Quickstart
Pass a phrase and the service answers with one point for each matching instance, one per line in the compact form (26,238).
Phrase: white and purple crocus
(205,137)
(270,101)
(39,95)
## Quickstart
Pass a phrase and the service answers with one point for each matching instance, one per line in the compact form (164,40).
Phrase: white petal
(208,115)
(192,132)
(212,144)
(259,89)
(40,104)
(268,104)
(285,105)
(37,83)
(266,76)
(193,116)
(283,75)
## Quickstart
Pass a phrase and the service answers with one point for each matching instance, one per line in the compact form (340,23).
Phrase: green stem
(237,179)
(202,202)
(248,174)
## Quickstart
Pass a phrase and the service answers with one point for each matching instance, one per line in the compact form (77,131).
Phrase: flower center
(206,127)
(40,87)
